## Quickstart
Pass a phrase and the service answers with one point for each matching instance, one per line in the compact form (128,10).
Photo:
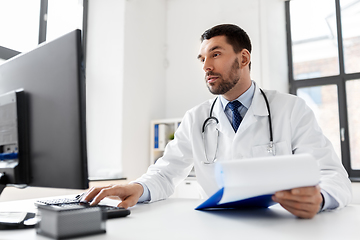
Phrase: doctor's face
(221,65)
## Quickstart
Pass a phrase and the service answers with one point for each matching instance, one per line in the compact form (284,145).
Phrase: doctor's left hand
(304,202)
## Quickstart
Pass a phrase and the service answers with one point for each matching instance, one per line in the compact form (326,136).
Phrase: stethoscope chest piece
(271,148)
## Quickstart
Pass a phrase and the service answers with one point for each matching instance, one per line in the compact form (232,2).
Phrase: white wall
(274,65)
(141,65)
(104,80)
(144,81)
(125,84)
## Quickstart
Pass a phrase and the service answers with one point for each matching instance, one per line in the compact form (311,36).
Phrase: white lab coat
(295,131)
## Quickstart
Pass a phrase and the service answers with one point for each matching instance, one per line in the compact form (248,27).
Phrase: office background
(141,63)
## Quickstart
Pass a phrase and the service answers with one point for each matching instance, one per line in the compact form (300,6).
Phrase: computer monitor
(51,79)
(14,139)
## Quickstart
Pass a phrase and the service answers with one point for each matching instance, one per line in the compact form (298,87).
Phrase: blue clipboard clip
(262,201)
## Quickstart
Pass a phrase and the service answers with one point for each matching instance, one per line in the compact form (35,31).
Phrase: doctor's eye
(216,54)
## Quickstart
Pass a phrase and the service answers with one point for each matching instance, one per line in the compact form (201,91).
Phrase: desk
(176,219)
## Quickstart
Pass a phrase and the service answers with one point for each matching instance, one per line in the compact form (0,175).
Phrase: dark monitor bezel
(16,169)
(55,67)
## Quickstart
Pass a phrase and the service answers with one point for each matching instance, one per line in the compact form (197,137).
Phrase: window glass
(63,17)
(353,103)
(19,26)
(350,20)
(323,101)
(314,38)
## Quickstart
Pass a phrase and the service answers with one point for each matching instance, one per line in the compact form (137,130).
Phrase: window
(324,53)
(20,25)
(27,23)
(63,16)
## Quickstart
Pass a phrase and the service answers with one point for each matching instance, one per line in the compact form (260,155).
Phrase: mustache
(211,73)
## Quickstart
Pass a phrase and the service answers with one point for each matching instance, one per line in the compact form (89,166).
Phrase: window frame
(6,53)
(338,80)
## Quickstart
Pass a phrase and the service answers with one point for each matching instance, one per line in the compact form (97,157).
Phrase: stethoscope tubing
(211,117)
(217,121)
(268,108)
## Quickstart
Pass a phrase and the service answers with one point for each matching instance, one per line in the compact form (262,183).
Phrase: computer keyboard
(58,201)
(109,211)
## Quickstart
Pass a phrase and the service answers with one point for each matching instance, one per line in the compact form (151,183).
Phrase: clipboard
(263,201)
(250,183)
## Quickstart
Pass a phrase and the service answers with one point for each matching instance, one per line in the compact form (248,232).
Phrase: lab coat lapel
(257,108)
(224,125)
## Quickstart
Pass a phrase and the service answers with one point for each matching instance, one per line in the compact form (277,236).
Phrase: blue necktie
(236,120)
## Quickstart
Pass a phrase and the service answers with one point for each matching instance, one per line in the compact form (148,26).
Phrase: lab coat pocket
(280,148)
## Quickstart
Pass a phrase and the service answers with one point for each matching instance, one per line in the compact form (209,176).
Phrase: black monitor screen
(52,79)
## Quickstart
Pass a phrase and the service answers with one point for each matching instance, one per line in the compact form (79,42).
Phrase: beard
(225,85)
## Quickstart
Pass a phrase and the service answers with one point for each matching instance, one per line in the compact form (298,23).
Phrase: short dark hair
(235,36)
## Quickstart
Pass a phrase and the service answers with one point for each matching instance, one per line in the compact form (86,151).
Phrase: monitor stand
(15,220)
(2,186)
(3,182)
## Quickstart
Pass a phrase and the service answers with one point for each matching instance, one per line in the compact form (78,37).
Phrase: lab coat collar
(224,125)
(257,108)
(258,104)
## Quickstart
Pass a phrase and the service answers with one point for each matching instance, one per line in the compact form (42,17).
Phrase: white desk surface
(176,219)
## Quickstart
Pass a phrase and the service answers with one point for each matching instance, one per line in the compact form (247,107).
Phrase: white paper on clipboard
(247,178)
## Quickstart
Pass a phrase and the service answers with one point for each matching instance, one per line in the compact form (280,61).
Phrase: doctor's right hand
(129,194)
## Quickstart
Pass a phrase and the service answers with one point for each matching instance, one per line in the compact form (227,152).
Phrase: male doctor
(241,110)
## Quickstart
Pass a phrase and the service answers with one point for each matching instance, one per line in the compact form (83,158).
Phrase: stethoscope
(211,120)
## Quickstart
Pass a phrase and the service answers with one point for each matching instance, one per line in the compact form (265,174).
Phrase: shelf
(161,131)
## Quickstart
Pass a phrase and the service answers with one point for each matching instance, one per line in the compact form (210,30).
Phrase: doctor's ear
(245,58)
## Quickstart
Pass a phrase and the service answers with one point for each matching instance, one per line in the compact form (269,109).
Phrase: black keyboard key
(108,211)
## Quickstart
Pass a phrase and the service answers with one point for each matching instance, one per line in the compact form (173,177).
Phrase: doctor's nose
(208,66)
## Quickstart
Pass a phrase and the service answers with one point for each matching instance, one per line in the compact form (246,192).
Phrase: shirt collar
(245,98)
